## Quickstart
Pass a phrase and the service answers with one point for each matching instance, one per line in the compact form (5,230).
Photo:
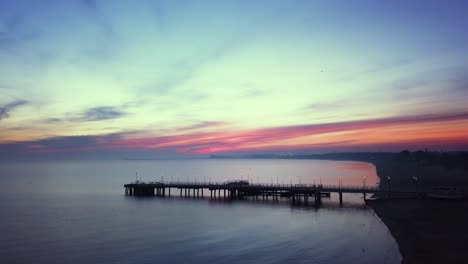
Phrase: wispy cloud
(52,120)
(254,92)
(99,113)
(451,78)
(62,147)
(15,34)
(460,80)
(171,81)
(359,134)
(323,106)
(408,84)
(201,125)
(272,137)
(6,109)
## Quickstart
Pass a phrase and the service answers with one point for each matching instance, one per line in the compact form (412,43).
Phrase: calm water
(75,212)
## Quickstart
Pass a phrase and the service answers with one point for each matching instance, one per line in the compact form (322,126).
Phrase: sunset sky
(137,79)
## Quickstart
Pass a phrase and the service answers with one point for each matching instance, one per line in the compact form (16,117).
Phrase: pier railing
(233,184)
(237,189)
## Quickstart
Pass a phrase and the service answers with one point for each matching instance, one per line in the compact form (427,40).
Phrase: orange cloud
(436,131)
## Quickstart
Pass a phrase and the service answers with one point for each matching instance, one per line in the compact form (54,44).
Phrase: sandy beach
(427,231)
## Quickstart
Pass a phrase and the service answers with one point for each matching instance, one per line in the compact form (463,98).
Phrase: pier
(298,193)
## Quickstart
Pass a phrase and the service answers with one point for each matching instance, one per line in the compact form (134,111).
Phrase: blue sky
(139,72)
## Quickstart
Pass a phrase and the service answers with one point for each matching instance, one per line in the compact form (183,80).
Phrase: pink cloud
(428,129)
(269,138)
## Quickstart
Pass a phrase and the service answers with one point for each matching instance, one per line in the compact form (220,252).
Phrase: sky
(156,79)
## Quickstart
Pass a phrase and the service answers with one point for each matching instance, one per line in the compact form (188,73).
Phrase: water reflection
(350,201)
(76,212)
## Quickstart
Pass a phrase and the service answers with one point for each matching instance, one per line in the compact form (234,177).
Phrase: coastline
(426,231)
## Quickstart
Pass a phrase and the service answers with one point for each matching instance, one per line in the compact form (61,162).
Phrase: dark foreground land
(427,231)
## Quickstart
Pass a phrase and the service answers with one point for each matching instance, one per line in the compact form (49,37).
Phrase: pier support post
(181,192)
(341,198)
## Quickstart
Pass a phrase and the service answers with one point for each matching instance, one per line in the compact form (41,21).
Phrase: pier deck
(239,189)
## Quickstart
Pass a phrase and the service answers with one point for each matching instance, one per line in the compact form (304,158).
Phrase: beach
(427,231)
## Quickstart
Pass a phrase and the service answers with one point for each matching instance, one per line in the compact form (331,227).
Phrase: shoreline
(426,231)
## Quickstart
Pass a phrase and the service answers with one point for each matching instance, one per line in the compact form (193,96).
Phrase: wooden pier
(238,189)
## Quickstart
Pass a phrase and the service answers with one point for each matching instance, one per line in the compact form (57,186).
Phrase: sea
(77,212)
